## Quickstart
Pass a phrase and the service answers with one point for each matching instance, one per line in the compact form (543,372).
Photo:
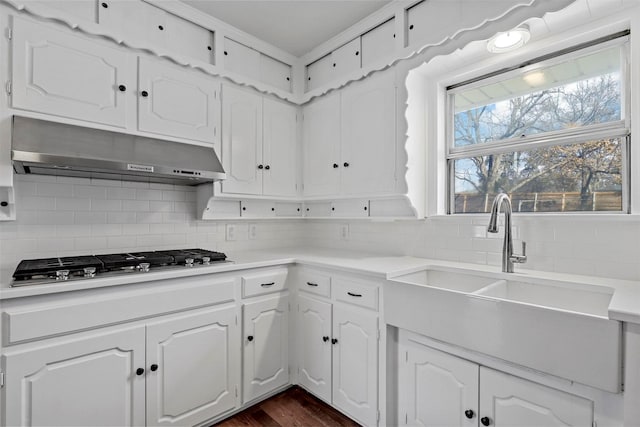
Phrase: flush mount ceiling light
(510,40)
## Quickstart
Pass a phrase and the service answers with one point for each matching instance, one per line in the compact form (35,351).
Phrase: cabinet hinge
(10,33)
(378,415)
(8,87)
(289,305)
(406,356)
(406,418)
(236,391)
(215,131)
(289,370)
(1,379)
(378,332)
(236,319)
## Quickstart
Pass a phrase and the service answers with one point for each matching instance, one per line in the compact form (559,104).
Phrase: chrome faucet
(508,257)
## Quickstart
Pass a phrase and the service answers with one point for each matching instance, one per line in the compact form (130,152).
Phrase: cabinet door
(355,363)
(241,59)
(379,43)
(84,381)
(242,141)
(58,73)
(275,73)
(511,401)
(266,346)
(279,149)
(436,389)
(193,368)
(321,163)
(314,346)
(136,22)
(346,58)
(368,136)
(176,102)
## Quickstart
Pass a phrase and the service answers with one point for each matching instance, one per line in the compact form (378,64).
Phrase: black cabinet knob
(325,338)
(209,48)
(334,64)
(139,371)
(4,204)
(335,166)
(357,52)
(267,167)
(105,5)
(122,88)
(411,27)
(288,78)
(468,413)
(485,421)
(334,340)
(226,53)
(160,27)
(346,165)
(260,167)
(250,338)
(144,93)
(154,367)
(244,208)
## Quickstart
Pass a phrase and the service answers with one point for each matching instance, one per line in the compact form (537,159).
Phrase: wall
(60,216)
(578,245)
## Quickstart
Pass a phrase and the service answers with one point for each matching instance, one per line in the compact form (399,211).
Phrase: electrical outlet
(231,232)
(344,231)
(253,231)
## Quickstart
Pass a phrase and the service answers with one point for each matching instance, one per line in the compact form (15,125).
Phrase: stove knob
(89,272)
(144,267)
(62,274)
(188,262)
(206,260)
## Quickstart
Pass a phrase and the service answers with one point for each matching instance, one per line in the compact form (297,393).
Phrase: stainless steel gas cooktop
(48,270)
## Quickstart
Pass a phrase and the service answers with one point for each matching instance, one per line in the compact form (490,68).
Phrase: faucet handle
(520,259)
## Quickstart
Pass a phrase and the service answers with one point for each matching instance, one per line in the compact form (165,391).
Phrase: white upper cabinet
(177,102)
(346,58)
(248,62)
(259,149)
(321,141)
(350,142)
(134,21)
(140,23)
(241,59)
(379,43)
(241,141)
(275,73)
(59,73)
(280,154)
(334,65)
(368,136)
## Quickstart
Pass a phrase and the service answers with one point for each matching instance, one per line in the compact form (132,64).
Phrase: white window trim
(438,79)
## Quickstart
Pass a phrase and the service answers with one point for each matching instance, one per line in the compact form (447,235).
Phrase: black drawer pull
(265,285)
(312,284)
(354,295)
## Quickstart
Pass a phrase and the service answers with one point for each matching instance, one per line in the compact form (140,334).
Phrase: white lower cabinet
(187,363)
(193,367)
(338,352)
(439,389)
(266,345)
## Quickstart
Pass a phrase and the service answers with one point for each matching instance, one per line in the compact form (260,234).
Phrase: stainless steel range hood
(50,148)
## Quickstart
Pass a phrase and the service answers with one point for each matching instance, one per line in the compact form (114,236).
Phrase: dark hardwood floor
(293,407)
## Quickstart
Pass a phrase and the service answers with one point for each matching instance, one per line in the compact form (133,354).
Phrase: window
(552,133)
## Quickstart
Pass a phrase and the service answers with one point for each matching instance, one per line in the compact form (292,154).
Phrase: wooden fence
(542,202)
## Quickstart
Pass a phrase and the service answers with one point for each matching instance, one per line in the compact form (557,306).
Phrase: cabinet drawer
(263,283)
(315,283)
(355,292)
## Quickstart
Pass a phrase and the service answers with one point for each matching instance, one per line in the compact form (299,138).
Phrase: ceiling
(295,26)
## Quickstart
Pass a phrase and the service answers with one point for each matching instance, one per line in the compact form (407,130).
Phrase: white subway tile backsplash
(148,194)
(105,182)
(54,189)
(135,229)
(55,217)
(155,186)
(89,192)
(160,206)
(121,193)
(90,218)
(135,205)
(149,217)
(175,196)
(106,205)
(121,217)
(72,204)
(36,203)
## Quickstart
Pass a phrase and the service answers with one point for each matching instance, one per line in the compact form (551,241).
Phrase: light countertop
(624,305)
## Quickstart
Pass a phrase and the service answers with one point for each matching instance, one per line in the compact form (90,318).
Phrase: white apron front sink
(559,328)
